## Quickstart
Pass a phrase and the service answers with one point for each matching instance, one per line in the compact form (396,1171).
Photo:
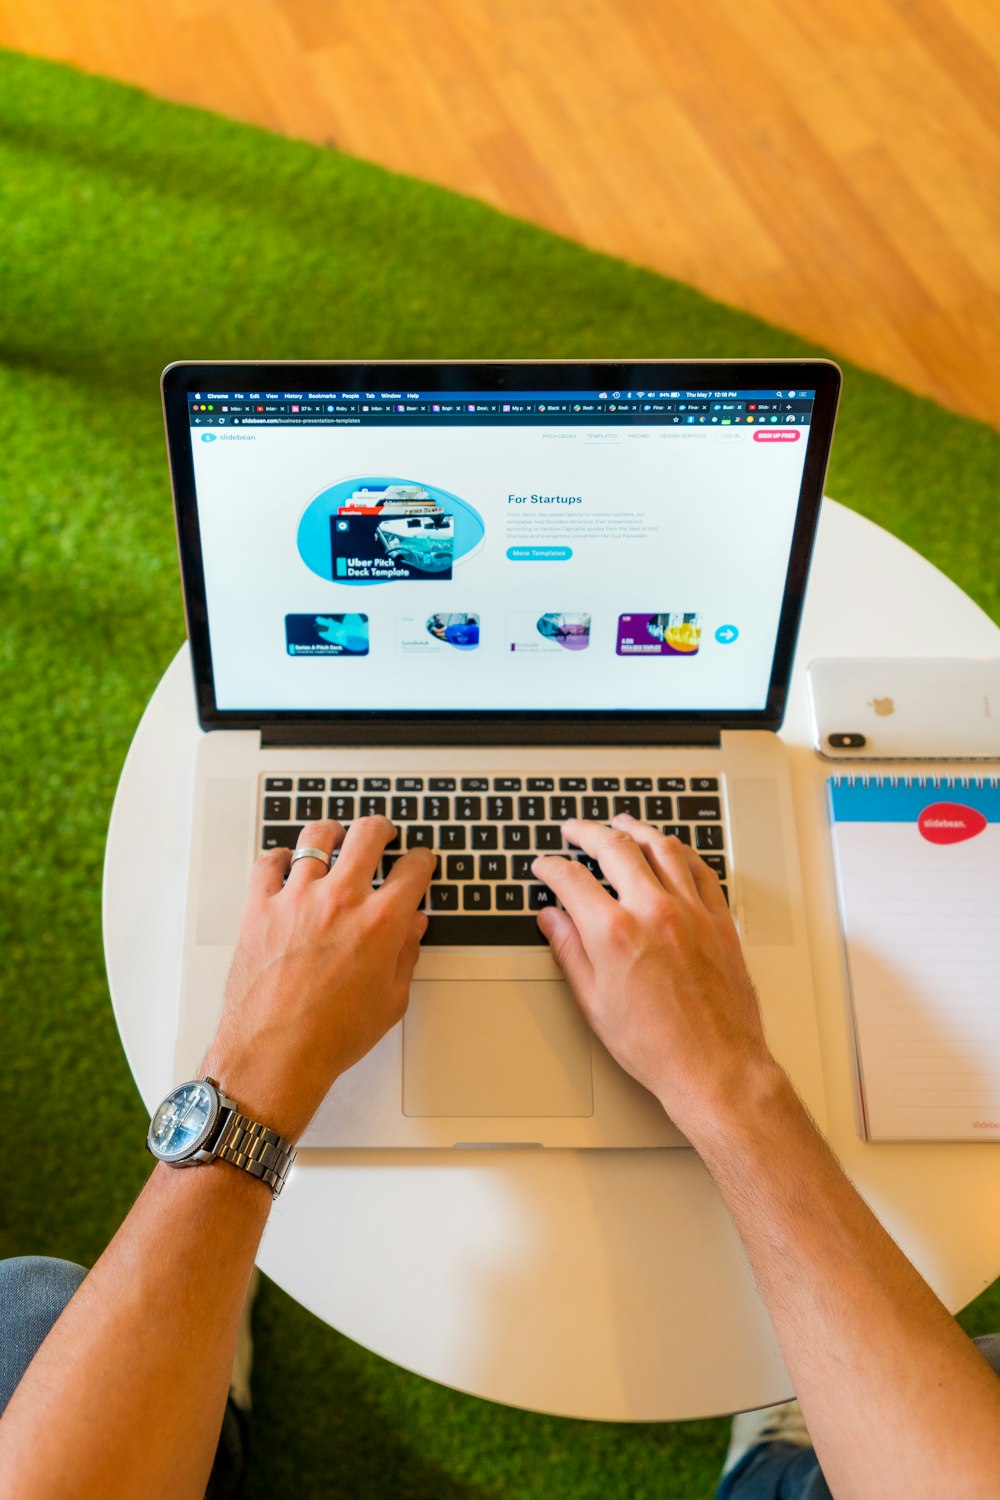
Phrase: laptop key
(520,866)
(572,783)
(506,783)
(708,836)
(717,863)
(692,808)
(409,783)
(475,784)
(540,784)
(472,929)
(531,809)
(444,898)
(725,892)
(500,809)
(343,783)
(590,863)
(671,784)
(679,831)
(460,866)
(510,898)
(340,808)
(605,783)
(631,805)
(493,867)
(312,784)
(451,836)
(548,836)
(441,784)
(561,808)
(309,809)
(278,784)
(517,836)
(404,809)
(377,784)
(277,807)
(371,807)
(485,837)
(420,836)
(638,783)
(469,809)
(285,836)
(437,809)
(595,808)
(476,898)
(539,896)
(704,783)
(659,809)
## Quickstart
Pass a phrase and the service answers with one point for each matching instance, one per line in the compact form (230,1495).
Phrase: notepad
(918,882)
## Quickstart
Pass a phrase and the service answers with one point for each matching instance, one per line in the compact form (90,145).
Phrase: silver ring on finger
(320,854)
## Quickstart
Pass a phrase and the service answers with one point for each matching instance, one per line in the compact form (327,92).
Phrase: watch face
(182,1121)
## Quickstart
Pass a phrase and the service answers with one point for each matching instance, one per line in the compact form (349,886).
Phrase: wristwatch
(196,1123)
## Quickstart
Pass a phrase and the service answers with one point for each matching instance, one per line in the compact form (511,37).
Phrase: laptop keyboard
(487,830)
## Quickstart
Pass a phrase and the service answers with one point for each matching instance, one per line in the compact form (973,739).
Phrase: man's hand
(321,972)
(659,973)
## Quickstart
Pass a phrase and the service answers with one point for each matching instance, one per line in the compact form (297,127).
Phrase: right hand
(659,972)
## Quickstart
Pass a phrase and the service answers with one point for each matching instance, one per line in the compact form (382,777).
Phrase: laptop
(482,597)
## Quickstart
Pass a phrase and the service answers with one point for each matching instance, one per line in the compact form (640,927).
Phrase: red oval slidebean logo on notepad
(777,435)
(950,823)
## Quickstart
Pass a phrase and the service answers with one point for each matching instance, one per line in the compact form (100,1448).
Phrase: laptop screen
(386,545)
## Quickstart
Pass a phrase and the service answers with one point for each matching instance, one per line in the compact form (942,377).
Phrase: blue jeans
(782,1471)
(33,1292)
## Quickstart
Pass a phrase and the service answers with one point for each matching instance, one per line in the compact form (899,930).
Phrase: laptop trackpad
(495,1047)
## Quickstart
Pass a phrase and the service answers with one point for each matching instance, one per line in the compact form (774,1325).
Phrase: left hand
(321,972)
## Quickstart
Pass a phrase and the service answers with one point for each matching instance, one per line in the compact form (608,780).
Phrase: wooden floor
(832,165)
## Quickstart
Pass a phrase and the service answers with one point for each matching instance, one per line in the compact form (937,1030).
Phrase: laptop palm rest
(495,1048)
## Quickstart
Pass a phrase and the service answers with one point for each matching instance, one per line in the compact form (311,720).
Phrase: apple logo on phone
(882,706)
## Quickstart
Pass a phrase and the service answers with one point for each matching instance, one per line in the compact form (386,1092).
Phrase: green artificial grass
(133,233)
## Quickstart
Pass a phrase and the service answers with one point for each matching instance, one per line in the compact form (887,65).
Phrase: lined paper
(921,923)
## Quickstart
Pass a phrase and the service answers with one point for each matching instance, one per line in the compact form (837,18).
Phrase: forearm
(892,1391)
(126,1395)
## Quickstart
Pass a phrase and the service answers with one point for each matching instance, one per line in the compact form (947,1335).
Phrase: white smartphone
(905,708)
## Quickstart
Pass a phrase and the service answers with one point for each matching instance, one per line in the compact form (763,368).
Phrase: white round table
(597,1284)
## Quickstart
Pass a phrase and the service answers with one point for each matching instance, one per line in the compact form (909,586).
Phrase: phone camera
(846,741)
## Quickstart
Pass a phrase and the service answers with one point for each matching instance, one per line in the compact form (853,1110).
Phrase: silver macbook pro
(481,598)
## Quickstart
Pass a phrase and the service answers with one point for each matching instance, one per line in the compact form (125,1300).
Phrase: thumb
(560,931)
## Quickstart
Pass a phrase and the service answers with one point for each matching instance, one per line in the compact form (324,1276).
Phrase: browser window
(374,550)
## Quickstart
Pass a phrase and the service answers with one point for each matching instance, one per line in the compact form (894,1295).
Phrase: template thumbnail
(382,548)
(326,635)
(548,634)
(668,634)
(430,635)
(380,529)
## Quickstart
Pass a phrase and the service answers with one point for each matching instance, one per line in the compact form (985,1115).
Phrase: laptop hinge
(482,733)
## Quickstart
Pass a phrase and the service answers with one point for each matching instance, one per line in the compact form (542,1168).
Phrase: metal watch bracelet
(256,1149)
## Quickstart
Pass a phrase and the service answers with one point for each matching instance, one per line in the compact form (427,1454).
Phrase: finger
(267,877)
(410,952)
(585,900)
(409,878)
(619,856)
(358,856)
(567,947)
(326,836)
(707,882)
(665,856)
